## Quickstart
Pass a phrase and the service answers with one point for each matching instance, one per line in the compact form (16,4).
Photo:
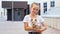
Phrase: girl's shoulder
(39,16)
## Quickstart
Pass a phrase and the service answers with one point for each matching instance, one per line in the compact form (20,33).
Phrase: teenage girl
(29,19)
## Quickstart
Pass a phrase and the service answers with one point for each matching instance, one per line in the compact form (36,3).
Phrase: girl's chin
(36,13)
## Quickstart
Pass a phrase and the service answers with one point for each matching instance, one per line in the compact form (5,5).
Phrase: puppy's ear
(31,19)
(35,19)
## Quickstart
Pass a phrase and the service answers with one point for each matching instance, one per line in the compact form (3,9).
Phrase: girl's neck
(33,15)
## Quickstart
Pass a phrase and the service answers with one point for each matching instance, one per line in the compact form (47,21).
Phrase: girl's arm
(44,26)
(26,27)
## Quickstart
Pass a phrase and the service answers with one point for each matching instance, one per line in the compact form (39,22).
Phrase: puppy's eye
(31,19)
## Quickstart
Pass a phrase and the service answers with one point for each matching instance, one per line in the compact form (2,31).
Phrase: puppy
(33,23)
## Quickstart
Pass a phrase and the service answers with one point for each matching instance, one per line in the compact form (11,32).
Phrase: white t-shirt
(27,19)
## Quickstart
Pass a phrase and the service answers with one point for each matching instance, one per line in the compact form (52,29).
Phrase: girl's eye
(35,9)
(35,19)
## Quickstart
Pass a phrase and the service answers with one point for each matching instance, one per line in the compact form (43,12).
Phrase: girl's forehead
(35,6)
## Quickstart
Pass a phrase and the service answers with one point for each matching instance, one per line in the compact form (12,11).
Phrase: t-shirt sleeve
(25,19)
(41,19)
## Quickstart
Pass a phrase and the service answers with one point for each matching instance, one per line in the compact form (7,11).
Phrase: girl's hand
(37,29)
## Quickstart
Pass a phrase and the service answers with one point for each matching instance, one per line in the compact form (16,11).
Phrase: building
(45,5)
(15,9)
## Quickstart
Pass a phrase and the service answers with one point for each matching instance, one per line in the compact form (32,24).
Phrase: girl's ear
(29,9)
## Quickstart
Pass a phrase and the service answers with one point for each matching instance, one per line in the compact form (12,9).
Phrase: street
(16,27)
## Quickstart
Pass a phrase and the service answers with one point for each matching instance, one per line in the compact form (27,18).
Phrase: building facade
(45,5)
(15,10)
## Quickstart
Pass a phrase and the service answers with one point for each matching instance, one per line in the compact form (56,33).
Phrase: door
(9,14)
(18,14)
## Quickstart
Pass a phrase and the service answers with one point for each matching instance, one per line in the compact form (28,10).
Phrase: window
(45,7)
(18,13)
(4,12)
(27,9)
(39,9)
(52,3)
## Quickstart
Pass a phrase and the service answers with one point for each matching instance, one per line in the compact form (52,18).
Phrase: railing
(53,22)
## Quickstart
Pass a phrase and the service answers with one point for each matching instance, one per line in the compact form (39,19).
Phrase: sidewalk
(16,27)
(51,31)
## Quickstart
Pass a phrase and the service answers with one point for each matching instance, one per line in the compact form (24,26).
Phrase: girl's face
(34,9)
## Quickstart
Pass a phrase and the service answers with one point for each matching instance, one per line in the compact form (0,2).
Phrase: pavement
(17,27)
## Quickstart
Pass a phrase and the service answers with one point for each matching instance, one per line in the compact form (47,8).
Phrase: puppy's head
(33,21)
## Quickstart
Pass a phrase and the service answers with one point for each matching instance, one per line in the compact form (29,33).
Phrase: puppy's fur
(33,23)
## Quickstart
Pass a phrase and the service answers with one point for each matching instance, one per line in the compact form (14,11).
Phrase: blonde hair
(34,3)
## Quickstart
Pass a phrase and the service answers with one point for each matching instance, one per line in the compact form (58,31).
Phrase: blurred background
(12,13)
